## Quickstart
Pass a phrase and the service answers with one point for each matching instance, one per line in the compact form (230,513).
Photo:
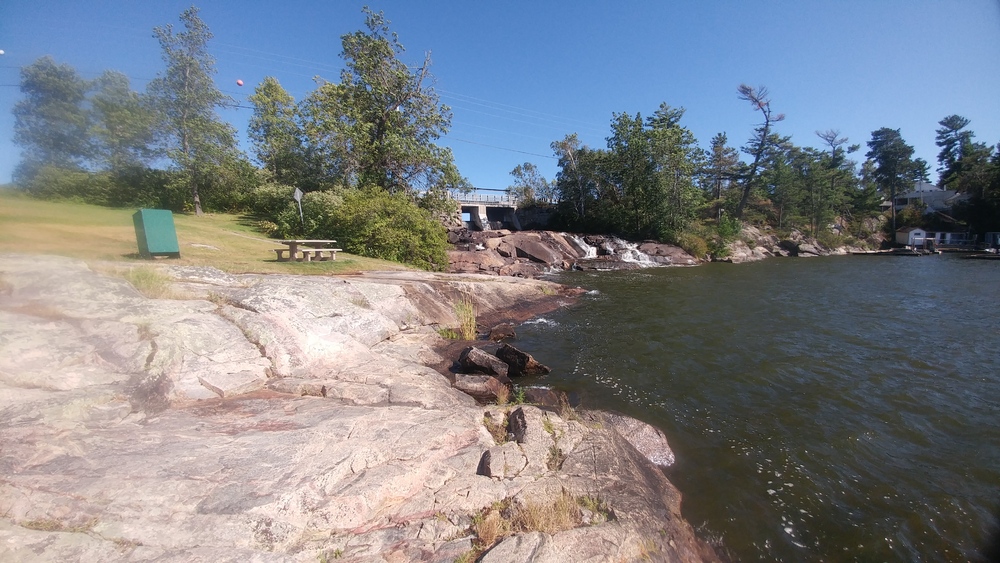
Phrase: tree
(379,124)
(569,182)
(51,122)
(185,96)
(721,165)
(274,132)
(895,168)
(758,144)
(954,141)
(529,185)
(122,125)
(676,161)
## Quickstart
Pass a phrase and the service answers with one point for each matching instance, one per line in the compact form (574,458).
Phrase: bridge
(488,212)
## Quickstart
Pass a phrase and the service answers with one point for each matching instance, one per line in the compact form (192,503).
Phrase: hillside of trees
(363,151)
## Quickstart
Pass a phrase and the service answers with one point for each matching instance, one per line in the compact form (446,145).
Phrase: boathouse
(911,236)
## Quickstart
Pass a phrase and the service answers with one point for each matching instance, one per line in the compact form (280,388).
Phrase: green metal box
(154,231)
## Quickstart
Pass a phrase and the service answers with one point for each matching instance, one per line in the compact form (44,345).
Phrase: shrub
(693,245)
(729,228)
(372,222)
(829,239)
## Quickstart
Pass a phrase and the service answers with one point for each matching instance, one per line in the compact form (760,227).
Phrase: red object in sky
(239,83)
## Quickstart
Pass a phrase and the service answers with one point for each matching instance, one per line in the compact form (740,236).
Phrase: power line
(501,148)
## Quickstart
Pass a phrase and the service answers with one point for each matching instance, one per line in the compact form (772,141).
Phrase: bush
(373,222)
(829,239)
(729,228)
(693,245)
(51,182)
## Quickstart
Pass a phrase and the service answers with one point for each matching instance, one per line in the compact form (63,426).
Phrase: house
(933,198)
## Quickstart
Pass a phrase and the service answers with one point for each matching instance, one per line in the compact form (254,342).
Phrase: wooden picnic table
(307,249)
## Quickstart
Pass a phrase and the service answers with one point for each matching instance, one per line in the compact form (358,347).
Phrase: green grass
(93,233)
(465,310)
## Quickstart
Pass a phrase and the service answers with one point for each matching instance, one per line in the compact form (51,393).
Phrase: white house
(933,198)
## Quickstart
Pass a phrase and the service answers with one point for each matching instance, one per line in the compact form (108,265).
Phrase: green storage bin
(155,233)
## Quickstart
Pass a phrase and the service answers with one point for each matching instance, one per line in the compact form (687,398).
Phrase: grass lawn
(94,233)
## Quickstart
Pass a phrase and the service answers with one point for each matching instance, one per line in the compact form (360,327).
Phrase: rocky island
(296,418)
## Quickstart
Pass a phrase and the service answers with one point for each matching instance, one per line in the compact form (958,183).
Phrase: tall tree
(274,132)
(529,185)
(636,197)
(380,123)
(721,165)
(196,139)
(570,182)
(51,122)
(895,169)
(758,145)
(122,124)
(954,141)
(676,161)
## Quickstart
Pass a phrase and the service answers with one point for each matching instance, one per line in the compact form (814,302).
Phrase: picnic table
(308,250)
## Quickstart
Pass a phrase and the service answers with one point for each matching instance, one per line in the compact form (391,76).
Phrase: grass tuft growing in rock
(507,517)
(465,310)
(147,281)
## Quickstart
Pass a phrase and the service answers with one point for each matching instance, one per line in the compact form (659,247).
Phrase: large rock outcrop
(532,253)
(282,418)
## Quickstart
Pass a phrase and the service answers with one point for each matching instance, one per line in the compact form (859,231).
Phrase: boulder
(502,332)
(520,363)
(475,360)
(483,388)
(545,397)
(505,461)
(649,440)
(808,250)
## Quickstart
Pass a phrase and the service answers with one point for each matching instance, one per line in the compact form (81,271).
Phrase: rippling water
(830,408)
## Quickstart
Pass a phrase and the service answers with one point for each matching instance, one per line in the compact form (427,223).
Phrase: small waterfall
(588,251)
(629,252)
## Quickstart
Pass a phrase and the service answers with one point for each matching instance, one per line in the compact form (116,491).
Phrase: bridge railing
(478,199)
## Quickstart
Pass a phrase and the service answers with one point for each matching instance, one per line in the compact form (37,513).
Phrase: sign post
(298,199)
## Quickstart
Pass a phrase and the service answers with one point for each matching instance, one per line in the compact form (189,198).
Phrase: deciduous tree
(51,122)
(274,132)
(185,95)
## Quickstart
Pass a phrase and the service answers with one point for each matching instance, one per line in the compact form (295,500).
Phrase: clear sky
(521,74)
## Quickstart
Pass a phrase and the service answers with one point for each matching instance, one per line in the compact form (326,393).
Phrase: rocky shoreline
(296,418)
(533,253)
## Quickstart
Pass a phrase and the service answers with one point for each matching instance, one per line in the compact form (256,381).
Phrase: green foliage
(378,125)
(729,228)
(529,185)
(369,222)
(693,244)
(50,123)
(185,97)
(275,133)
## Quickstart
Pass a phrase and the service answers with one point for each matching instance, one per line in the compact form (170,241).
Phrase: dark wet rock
(520,363)
(475,360)
(545,397)
(503,331)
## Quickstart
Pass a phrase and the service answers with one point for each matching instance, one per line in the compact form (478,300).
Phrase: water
(834,408)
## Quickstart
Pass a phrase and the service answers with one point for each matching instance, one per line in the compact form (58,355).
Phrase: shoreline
(295,416)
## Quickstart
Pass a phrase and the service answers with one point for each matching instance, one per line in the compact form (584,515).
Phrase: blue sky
(519,75)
